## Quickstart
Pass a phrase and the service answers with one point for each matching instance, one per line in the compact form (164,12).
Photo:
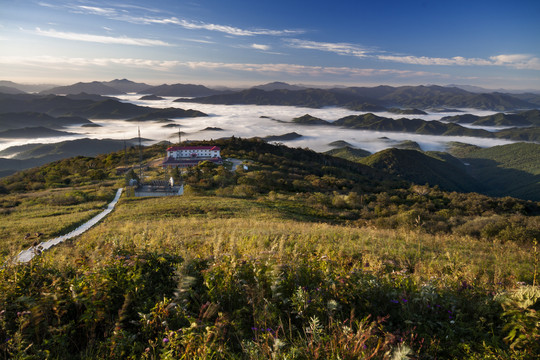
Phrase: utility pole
(140,155)
(179,136)
(125,153)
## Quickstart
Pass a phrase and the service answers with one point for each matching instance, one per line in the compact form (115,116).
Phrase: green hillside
(420,168)
(512,170)
(302,256)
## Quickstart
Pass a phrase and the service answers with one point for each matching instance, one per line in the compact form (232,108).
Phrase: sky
(493,44)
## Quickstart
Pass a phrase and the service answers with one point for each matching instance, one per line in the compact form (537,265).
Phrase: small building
(159,188)
(187,156)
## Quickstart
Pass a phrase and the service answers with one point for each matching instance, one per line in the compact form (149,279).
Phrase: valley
(398,230)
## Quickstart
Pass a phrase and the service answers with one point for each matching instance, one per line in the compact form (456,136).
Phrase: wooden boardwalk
(28,254)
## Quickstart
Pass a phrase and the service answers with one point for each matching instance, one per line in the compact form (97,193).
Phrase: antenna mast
(179,135)
(125,153)
(140,155)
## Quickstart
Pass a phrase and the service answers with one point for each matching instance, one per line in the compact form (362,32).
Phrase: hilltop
(299,240)
(419,168)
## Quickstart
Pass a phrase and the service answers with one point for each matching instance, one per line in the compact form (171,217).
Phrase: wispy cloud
(302,70)
(518,61)
(424,60)
(174,65)
(79,63)
(338,48)
(100,38)
(123,15)
(97,10)
(260,47)
(230,30)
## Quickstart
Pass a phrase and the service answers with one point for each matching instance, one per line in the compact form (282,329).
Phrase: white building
(186,156)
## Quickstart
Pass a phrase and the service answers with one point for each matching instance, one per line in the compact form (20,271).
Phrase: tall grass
(208,226)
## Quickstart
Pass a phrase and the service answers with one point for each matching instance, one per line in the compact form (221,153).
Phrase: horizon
(242,86)
(487,44)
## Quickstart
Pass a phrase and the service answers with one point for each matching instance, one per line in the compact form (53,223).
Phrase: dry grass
(204,226)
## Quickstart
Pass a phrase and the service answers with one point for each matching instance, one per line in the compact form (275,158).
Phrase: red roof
(177,148)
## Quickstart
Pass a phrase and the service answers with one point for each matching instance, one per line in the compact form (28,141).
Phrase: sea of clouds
(256,120)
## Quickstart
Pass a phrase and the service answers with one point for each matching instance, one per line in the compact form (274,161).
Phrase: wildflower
(394,301)
(254,328)
(404,300)
(165,340)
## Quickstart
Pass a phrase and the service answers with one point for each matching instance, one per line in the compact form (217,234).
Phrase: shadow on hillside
(502,182)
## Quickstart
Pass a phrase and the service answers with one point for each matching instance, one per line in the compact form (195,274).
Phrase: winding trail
(28,254)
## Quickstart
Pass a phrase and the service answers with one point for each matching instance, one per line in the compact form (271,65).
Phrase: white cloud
(260,47)
(424,60)
(100,39)
(123,15)
(97,10)
(174,65)
(230,30)
(305,70)
(338,48)
(518,61)
(58,62)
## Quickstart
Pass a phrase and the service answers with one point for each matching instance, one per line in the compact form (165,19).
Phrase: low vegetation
(301,256)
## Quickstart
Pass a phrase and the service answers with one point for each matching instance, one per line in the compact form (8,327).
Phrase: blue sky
(495,44)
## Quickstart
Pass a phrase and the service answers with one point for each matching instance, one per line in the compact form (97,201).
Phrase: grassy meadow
(288,260)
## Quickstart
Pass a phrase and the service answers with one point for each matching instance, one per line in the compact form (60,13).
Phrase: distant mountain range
(378,98)
(277,85)
(525,118)
(181,90)
(448,126)
(29,132)
(419,97)
(100,108)
(26,88)
(18,120)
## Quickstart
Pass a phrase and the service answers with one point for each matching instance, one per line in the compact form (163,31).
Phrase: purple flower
(404,300)
(394,301)
(165,340)
(254,328)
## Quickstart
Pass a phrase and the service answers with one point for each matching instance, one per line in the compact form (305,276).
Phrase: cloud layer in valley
(253,120)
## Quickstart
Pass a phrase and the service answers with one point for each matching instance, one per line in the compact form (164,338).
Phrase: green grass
(205,226)
(51,213)
(300,263)
(231,278)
